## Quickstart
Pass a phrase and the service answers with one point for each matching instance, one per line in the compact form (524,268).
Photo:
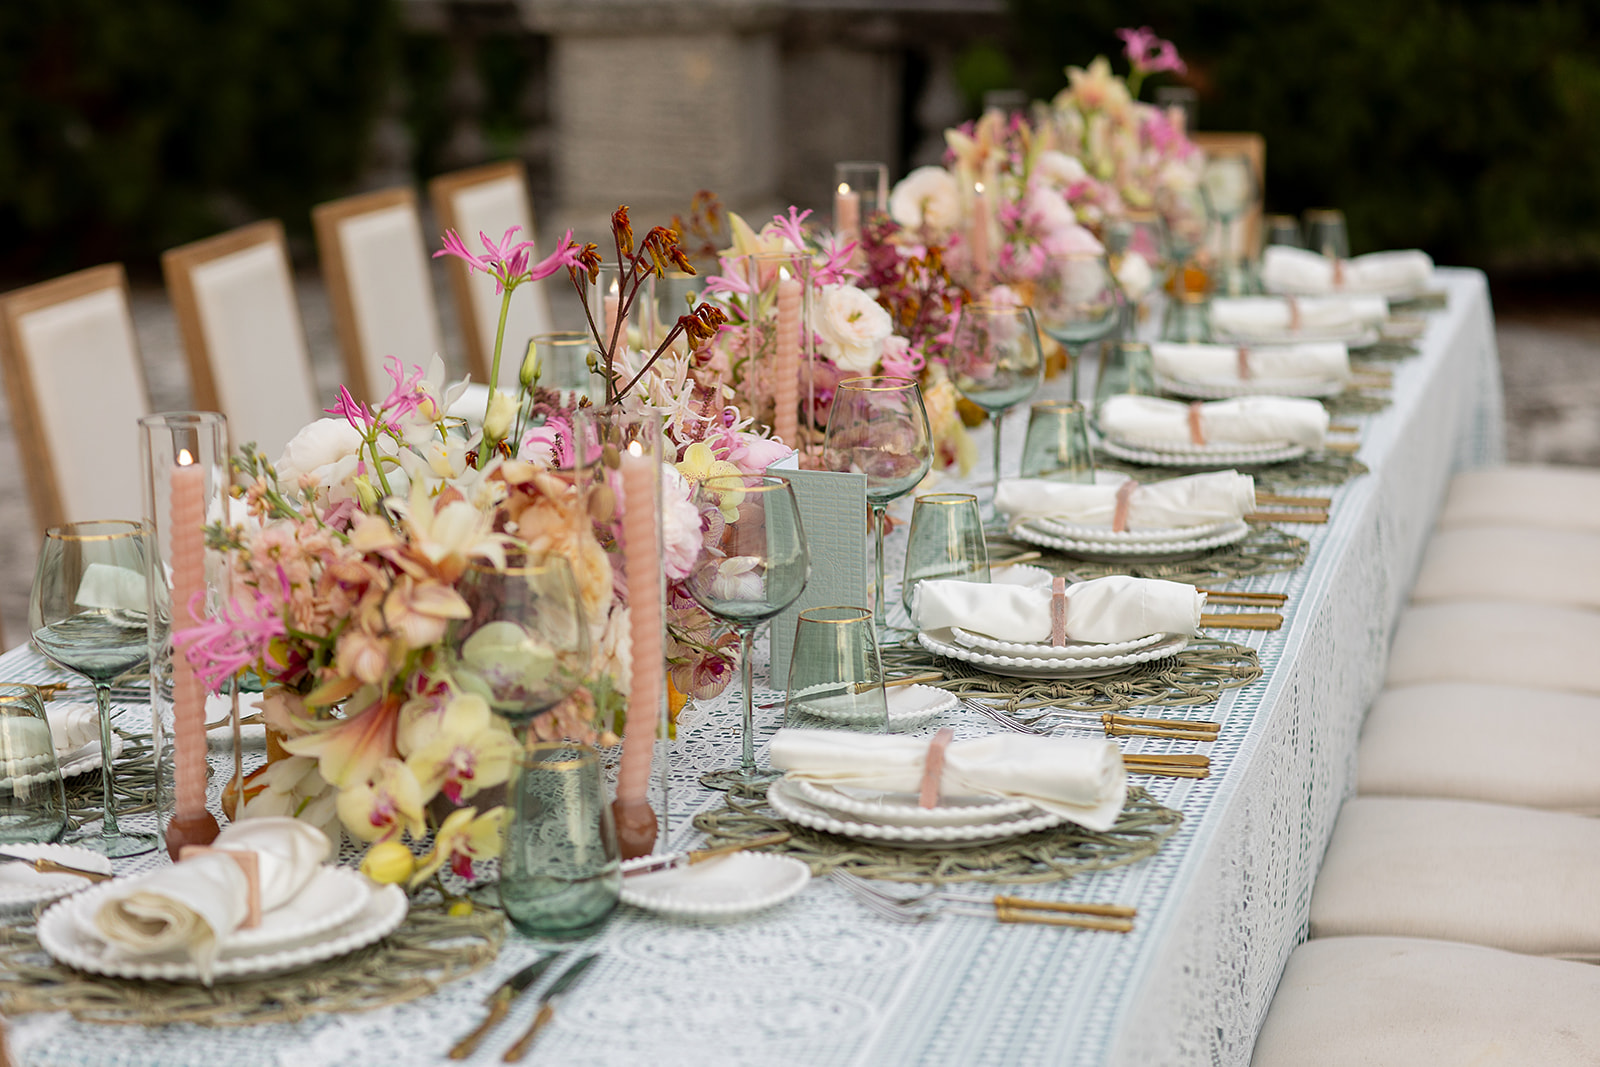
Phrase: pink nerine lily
(1149,54)
(507,262)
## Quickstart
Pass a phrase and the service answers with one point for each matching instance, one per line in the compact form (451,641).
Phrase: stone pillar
(652,100)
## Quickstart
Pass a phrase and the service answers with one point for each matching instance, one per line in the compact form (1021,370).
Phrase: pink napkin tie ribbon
(1294,313)
(1244,363)
(249,863)
(933,767)
(1058,612)
(1119,517)
(1338,273)
(1197,433)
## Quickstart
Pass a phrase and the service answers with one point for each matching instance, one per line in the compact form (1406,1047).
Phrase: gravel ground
(1550,360)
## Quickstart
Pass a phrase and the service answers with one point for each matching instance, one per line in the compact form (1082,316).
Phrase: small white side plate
(740,884)
(22,886)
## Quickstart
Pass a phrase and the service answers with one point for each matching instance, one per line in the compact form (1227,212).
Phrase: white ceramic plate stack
(339,911)
(1028,660)
(1217,456)
(896,819)
(910,707)
(1144,546)
(721,888)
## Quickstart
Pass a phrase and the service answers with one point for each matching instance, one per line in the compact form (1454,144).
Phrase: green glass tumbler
(835,674)
(945,541)
(560,875)
(1188,319)
(32,802)
(1057,445)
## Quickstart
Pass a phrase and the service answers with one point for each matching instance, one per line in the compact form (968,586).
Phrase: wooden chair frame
(43,492)
(177,266)
(326,219)
(441,191)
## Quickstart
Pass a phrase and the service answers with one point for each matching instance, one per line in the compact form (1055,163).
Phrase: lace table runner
(819,981)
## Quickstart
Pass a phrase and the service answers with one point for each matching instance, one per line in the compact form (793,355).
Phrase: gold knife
(500,1002)
(547,1008)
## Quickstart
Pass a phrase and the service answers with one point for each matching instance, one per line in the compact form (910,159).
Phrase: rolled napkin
(1081,779)
(1195,500)
(1243,420)
(1324,361)
(1276,316)
(1297,271)
(1116,608)
(192,907)
(72,725)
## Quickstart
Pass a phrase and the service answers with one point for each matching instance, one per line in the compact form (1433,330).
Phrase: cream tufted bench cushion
(1459,870)
(1500,743)
(1398,1002)
(1517,563)
(1497,643)
(1561,497)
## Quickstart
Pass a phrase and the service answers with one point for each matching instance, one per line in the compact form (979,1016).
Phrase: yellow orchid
(448,532)
(383,806)
(748,242)
(350,751)
(419,612)
(465,836)
(699,463)
(388,863)
(470,750)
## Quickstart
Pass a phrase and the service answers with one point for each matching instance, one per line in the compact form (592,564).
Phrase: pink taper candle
(980,232)
(190,819)
(847,213)
(641,553)
(786,389)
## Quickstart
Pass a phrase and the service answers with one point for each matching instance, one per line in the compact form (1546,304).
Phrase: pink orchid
(358,415)
(407,395)
(1149,54)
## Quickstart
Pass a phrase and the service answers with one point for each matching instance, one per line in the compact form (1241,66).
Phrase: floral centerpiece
(346,553)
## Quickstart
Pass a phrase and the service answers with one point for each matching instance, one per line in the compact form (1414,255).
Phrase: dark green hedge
(128,126)
(1471,129)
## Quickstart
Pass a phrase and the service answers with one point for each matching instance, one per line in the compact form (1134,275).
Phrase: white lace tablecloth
(819,981)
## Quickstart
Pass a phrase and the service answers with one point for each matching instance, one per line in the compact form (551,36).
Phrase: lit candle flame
(978,188)
(844,188)
(635,448)
(184,458)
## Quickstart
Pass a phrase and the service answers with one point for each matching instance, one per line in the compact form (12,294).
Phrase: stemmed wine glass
(88,614)
(996,362)
(879,427)
(754,564)
(1228,184)
(1078,304)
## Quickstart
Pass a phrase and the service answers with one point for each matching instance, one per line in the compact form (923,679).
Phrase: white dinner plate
(22,886)
(1210,457)
(1356,335)
(786,801)
(1149,552)
(909,706)
(1025,575)
(905,809)
(1040,650)
(1075,532)
(67,932)
(943,643)
(1226,390)
(722,888)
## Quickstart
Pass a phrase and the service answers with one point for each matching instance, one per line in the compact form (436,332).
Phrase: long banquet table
(820,981)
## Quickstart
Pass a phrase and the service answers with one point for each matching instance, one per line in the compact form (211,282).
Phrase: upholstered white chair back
(379,285)
(490,200)
(234,298)
(77,391)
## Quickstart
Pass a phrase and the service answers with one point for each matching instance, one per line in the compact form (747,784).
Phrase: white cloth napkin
(193,906)
(1195,500)
(1322,361)
(1298,271)
(1243,420)
(1271,316)
(72,725)
(1081,779)
(113,588)
(1116,608)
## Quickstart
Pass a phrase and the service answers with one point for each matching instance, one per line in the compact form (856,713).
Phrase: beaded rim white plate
(910,706)
(903,809)
(1040,650)
(86,757)
(65,932)
(1025,575)
(21,885)
(942,643)
(1358,335)
(1217,458)
(1149,553)
(334,895)
(724,888)
(1102,534)
(1302,387)
(784,800)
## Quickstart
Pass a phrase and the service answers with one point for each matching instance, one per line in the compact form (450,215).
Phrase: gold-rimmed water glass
(996,361)
(1188,319)
(878,426)
(33,803)
(88,614)
(1283,230)
(1078,303)
(563,362)
(1057,445)
(835,673)
(945,541)
(1326,233)
(754,565)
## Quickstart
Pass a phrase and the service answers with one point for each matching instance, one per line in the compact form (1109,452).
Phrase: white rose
(1059,169)
(926,199)
(853,328)
(680,524)
(1135,276)
(316,448)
